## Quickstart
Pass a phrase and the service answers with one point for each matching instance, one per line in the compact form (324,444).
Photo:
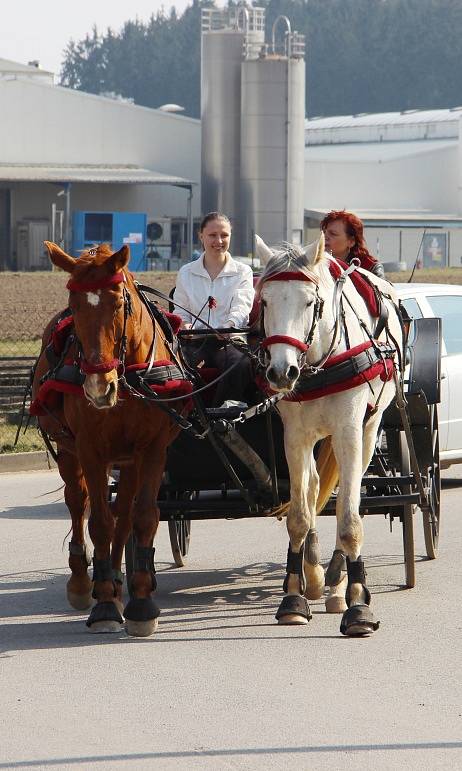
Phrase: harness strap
(344,370)
(274,339)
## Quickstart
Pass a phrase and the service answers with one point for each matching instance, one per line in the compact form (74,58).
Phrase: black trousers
(215,353)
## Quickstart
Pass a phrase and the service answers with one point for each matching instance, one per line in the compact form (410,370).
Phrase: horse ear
(320,248)
(262,250)
(60,258)
(119,259)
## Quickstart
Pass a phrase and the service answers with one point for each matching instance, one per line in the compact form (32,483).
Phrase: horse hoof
(336,605)
(358,621)
(141,616)
(105,627)
(105,618)
(293,609)
(79,601)
(141,628)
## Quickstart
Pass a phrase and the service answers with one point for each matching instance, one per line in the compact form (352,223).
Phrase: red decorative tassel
(212,303)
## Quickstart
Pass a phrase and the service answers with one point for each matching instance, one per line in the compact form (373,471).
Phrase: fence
(15,371)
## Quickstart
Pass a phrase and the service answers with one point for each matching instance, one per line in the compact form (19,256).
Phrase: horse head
(100,304)
(291,308)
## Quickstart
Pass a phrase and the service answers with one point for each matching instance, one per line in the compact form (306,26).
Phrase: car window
(449,309)
(413,310)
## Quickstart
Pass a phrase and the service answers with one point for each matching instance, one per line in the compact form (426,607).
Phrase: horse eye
(309,303)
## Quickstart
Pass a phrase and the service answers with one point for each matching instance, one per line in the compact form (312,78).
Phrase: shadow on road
(212,600)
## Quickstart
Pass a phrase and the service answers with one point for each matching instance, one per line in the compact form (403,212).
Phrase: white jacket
(232,291)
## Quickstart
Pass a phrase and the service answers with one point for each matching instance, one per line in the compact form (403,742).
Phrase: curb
(26,461)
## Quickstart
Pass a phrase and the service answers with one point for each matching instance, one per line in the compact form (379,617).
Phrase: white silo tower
(224,34)
(273,138)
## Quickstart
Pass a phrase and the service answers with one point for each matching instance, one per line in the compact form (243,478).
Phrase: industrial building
(400,172)
(79,168)
(65,154)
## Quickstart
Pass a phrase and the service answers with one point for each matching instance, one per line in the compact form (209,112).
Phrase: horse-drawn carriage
(237,467)
(330,386)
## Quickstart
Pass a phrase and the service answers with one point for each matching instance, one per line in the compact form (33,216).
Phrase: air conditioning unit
(159,232)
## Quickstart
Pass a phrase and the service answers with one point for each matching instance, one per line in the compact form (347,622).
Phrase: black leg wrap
(144,562)
(336,566)
(357,575)
(358,621)
(312,553)
(294,604)
(102,571)
(80,550)
(143,609)
(295,565)
(104,611)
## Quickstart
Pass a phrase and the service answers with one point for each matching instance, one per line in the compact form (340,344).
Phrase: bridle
(92,286)
(304,345)
(301,345)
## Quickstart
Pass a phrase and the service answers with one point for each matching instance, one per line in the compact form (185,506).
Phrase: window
(449,309)
(98,227)
(412,308)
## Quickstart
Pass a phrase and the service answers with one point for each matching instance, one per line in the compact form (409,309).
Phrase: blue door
(130,228)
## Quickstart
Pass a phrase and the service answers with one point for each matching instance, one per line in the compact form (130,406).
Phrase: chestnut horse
(94,430)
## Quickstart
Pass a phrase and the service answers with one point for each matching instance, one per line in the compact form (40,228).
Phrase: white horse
(312,321)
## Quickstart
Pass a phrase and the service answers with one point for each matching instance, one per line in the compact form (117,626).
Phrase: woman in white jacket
(219,290)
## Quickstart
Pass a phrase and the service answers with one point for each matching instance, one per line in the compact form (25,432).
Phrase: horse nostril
(293,372)
(271,374)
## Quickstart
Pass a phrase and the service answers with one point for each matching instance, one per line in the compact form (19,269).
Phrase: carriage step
(401,481)
(385,502)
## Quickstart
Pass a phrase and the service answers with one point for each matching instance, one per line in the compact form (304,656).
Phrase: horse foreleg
(122,510)
(79,585)
(305,575)
(142,612)
(105,616)
(357,619)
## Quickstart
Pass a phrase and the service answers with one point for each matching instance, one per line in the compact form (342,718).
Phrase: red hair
(354,229)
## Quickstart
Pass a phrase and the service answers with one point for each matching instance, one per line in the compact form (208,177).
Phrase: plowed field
(29,300)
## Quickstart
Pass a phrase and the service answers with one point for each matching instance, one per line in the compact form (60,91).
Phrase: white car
(443,301)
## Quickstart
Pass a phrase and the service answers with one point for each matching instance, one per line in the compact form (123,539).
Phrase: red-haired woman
(344,236)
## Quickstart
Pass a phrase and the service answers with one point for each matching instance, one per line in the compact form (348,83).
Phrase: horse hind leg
(314,572)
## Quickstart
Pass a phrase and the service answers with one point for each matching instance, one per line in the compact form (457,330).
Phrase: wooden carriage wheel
(407,515)
(431,519)
(180,534)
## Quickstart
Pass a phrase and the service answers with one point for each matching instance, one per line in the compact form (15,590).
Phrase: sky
(41,29)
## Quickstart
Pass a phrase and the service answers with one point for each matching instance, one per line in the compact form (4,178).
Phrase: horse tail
(328,479)
(328,473)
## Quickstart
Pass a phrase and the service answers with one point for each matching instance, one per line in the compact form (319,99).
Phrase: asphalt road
(220,685)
